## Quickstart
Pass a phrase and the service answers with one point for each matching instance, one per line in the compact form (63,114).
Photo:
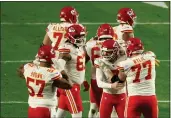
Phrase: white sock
(60,113)
(93,111)
(78,115)
(114,114)
(98,115)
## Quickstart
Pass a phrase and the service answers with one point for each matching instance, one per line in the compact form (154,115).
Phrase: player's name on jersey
(57,28)
(139,60)
(37,75)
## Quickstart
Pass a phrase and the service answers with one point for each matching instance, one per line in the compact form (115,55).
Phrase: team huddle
(122,72)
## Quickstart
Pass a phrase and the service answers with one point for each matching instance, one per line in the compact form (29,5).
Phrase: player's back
(120,28)
(75,68)
(39,82)
(119,33)
(140,74)
(93,51)
(56,32)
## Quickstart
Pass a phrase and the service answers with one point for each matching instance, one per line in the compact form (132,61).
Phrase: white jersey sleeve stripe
(57,77)
(63,50)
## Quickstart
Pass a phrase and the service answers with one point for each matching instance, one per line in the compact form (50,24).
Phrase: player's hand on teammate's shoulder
(20,71)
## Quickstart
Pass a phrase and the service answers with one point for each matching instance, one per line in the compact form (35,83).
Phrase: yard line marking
(17,61)
(85,101)
(159,4)
(22,61)
(85,23)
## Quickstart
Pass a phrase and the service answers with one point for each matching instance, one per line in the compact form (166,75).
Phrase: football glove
(86,86)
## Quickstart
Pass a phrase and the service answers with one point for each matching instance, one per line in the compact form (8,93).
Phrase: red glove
(86,86)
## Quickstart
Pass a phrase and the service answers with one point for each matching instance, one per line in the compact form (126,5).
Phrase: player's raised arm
(46,40)
(64,56)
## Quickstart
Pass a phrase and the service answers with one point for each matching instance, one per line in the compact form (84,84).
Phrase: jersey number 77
(139,67)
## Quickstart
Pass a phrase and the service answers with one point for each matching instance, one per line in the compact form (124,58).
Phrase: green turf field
(20,42)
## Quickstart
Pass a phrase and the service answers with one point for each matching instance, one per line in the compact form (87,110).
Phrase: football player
(42,81)
(72,60)
(126,18)
(55,31)
(113,92)
(139,72)
(104,32)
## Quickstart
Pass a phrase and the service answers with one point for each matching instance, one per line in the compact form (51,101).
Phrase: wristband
(115,78)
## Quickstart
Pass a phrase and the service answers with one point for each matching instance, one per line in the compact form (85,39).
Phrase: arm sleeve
(59,64)
(64,49)
(150,53)
(88,50)
(100,76)
(55,75)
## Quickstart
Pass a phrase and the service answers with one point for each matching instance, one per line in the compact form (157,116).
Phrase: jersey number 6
(80,63)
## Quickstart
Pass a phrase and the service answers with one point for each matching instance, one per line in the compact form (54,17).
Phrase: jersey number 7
(59,36)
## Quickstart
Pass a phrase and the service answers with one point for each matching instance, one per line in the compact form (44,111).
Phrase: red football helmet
(46,53)
(110,50)
(134,45)
(126,15)
(105,31)
(76,34)
(69,14)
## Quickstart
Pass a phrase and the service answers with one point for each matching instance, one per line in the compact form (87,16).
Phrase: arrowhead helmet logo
(130,12)
(73,12)
(71,29)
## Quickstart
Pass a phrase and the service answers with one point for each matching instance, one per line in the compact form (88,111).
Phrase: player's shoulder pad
(28,65)
(91,40)
(65,48)
(90,43)
(126,28)
(50,26)
(150,54)
(123,65)
(114,28)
